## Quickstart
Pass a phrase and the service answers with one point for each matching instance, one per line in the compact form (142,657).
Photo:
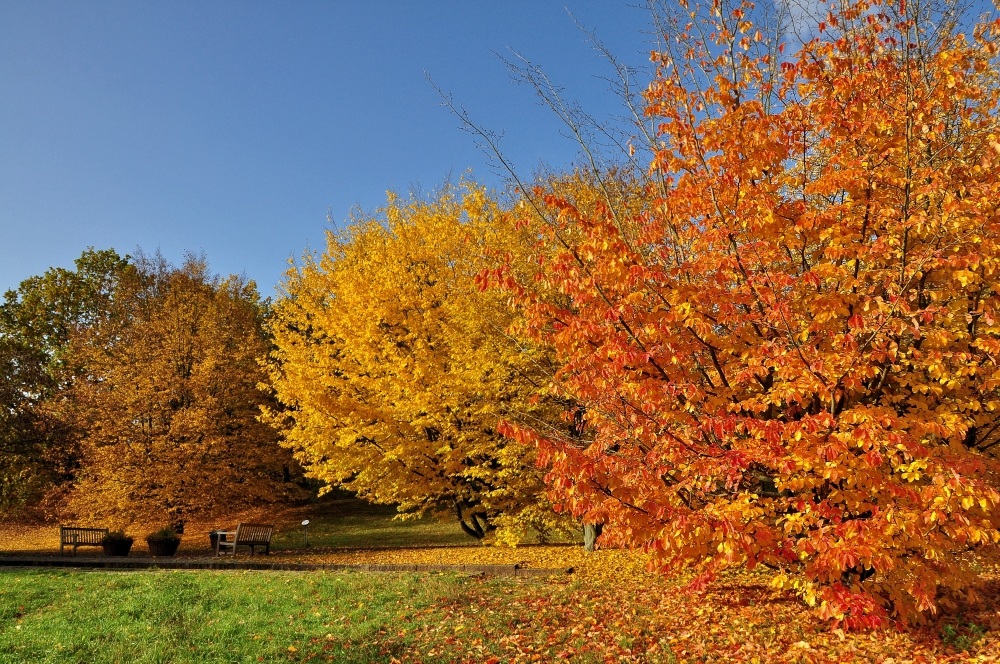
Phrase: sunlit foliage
(170,404)
(395,367)
(787,356)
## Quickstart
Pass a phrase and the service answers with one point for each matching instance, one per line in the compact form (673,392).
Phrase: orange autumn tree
(788,355)
(168,401)
(394,368)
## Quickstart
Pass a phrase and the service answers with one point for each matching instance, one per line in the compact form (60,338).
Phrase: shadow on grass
(350,523)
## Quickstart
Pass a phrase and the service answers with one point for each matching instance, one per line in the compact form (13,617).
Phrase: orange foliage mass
(169,404)
(783,340)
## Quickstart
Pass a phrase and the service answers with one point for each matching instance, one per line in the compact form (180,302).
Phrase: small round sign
(306,522)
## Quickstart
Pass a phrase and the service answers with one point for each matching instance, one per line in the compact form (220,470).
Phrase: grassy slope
(351,523)
(209,617)
(337,523)
(334,523)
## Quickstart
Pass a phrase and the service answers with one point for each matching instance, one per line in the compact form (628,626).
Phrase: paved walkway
(259,563)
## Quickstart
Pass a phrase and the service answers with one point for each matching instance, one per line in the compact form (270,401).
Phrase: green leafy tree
(38,444)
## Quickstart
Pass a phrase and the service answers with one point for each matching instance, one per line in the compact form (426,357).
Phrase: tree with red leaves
(784,334)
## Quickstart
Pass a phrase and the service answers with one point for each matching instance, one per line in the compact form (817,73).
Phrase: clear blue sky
(234,127)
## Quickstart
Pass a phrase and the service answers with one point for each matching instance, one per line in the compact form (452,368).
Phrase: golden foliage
(394,366)
(170,402)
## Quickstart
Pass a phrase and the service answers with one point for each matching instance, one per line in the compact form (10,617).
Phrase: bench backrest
(74,535)
(254,533)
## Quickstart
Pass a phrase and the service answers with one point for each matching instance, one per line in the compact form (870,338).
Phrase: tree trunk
(591,531)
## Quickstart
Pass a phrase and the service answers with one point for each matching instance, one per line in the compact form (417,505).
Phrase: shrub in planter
(163,542)
(116,543)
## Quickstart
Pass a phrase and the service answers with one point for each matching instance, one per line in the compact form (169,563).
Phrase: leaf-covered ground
(608,609)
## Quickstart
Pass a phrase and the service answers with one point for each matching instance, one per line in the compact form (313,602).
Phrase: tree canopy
(170,403)
(38,442)
(787,354)
(395,367)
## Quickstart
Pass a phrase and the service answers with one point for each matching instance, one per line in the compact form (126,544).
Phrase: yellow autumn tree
(395,367)
(169,401)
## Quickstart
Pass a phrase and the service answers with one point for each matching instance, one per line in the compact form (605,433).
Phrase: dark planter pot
(213,537)
(117,547)
(163,547)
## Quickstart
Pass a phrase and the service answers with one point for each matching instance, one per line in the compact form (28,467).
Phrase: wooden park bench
(246,534)
(74,536)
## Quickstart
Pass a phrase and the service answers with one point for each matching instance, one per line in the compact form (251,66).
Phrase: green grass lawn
(247,616)
(352,523)
(65,616)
